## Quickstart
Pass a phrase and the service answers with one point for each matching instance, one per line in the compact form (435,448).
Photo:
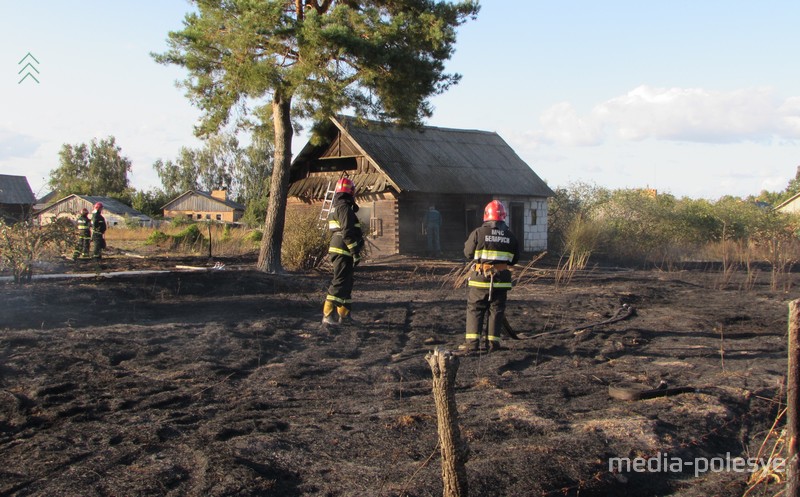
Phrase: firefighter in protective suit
(345,252)
(492,248)
(84,228)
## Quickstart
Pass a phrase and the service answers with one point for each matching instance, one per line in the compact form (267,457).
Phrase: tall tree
(96,169)
(275,60)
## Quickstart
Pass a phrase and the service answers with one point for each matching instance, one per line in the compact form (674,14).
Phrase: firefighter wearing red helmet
(347,241)
(84,235)
(492,248)
(98,231)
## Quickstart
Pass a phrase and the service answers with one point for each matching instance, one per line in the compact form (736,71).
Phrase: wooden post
(792,400)
(444,366)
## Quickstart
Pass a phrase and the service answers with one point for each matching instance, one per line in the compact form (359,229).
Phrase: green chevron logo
(28,68)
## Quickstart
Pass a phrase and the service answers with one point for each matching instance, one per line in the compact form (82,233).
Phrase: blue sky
(694,98)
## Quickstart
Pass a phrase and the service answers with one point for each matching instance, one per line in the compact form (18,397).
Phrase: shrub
(191,238)
(305,242)
(24,242)
(255,236)
(157,238)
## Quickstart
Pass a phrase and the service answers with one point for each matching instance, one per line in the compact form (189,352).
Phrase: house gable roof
(15,190)
(437,160)
(227,203)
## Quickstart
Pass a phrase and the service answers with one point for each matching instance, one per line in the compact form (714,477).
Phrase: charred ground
(221,383)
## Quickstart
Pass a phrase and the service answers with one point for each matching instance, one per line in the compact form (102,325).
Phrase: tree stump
(792,401)
(444,366)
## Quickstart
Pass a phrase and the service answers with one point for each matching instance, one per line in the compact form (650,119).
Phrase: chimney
(220,194)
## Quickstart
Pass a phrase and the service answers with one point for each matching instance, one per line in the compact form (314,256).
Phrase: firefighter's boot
(344,315)
(329,314)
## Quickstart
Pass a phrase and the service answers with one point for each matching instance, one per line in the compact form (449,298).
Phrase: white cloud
(676,114)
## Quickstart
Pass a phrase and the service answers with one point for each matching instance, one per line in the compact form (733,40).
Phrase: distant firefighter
(98,231)
(84,229)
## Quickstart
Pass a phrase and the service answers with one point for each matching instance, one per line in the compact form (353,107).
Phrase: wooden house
(399,172)
(16,198)
(791,205)
(115,212)
(204,206)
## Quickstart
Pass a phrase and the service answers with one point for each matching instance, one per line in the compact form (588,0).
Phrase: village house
(115,212)
(204,206)
(16,198)
(400,172)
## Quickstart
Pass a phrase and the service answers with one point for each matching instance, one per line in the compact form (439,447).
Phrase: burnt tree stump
(444,366)
(792,401)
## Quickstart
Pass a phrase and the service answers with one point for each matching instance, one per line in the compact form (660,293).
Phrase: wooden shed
(16,198)
(115,212)
(399,172)
(204,206)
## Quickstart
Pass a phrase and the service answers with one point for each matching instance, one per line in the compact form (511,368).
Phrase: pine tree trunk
(269,257)
(455,452)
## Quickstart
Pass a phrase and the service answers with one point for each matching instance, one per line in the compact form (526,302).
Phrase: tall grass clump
(580,241)
(305,242)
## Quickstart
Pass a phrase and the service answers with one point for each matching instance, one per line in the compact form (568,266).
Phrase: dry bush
(24,242)
(305,242)
(580,241)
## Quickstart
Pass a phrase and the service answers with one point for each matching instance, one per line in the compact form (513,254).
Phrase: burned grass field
(221,383)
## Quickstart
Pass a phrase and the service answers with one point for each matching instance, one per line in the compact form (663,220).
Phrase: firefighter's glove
(356,259)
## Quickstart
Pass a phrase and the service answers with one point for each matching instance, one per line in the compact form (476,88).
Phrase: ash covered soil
(222,383)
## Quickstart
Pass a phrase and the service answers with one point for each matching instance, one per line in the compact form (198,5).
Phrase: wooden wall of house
(460,215)
(377,213)
(228,216)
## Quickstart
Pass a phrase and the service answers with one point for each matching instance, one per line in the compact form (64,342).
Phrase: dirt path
(221,383)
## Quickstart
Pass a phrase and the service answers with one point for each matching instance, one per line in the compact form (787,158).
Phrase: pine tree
(269,62)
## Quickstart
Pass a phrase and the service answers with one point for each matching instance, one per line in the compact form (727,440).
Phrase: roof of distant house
(15,190)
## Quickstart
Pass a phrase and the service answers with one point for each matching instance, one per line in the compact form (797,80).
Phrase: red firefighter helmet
(98,206)
(345,185)
(494,211)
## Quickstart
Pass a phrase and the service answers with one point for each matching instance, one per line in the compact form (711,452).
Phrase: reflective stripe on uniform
(488,284)
(334,225)
(334,298)
(472,336)
(493,255)
(337,250)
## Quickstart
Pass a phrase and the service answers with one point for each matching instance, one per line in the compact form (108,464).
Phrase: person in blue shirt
(432,222)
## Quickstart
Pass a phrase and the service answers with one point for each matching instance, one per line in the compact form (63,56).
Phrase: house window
(208,216)
(199,216)
(189,216)
(533,217)
(219,217)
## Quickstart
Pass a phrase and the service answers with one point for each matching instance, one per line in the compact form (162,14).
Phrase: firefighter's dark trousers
(82,250)
(478,305)
(98,244)
(341,287)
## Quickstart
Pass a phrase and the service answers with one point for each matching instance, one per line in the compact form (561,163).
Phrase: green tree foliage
(265,63)
(221,164)
(95,169)
(150,202)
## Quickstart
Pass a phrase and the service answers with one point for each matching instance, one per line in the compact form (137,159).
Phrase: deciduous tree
(272,61)
(95,169)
